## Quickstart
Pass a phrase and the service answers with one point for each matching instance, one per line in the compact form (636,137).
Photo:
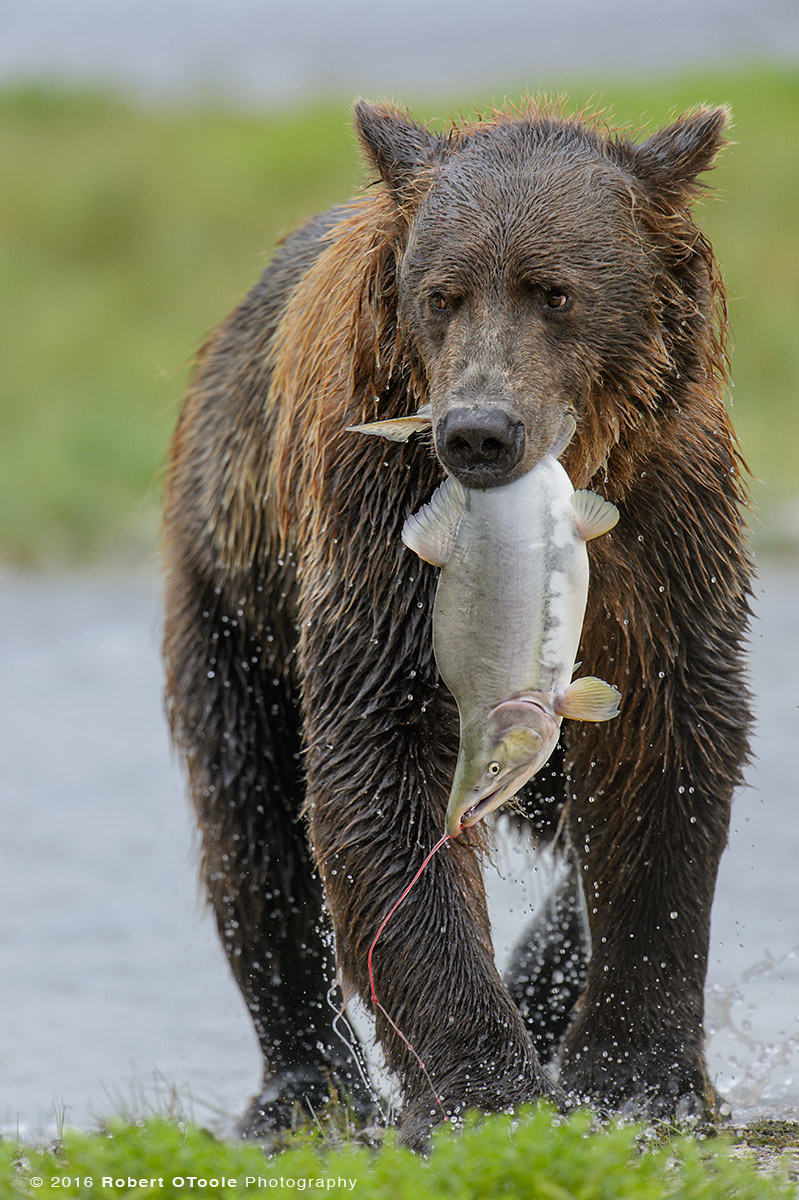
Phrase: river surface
(270,52)
(114,994)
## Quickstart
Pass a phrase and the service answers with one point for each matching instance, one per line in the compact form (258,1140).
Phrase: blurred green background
(128,231)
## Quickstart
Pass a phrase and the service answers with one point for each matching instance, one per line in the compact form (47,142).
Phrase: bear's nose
(480,446)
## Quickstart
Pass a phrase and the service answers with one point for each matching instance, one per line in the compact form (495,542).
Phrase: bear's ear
(397,146)
(669,162)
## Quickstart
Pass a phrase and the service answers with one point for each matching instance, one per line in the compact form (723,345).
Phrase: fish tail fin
(564,435)
(397,429)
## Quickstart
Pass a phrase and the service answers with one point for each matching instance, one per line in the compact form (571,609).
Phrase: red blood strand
(446,837)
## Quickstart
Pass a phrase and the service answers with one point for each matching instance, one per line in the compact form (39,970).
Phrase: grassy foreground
(126,233)
(534,1157)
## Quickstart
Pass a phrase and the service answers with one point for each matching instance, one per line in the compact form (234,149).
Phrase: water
(262,51)
(114,993)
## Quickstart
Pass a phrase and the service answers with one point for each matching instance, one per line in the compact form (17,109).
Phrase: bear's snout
(480,446)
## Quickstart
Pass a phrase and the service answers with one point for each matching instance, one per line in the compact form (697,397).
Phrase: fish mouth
(463,817)
(482,808)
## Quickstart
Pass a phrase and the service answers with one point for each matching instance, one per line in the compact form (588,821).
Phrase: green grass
(534,1157)
(126,233)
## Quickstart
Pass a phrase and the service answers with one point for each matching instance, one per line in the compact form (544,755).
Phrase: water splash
(757,1075)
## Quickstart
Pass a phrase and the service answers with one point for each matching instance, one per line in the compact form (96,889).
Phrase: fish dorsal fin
(564,435)
(588,699)
(398,429)
(431,531)
(594,516)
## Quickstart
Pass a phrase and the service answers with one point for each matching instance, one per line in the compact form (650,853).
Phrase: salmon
(507,620)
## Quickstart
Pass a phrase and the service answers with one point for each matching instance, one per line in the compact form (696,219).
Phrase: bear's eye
(493,768)
(439,302)
(557,299)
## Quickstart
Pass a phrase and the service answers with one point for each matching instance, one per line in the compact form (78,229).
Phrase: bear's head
(547,266)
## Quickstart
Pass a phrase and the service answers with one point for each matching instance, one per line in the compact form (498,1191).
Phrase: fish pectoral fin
(398,429)
(588,699)
(593,515)
(431,531)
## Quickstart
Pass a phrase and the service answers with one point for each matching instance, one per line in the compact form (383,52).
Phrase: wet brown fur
(281,522)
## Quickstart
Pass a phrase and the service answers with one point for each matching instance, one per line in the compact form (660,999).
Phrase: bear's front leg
(648,869)
(433,964)
(381,738)
(649,812)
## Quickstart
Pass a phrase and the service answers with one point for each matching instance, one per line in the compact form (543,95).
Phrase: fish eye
(493,768)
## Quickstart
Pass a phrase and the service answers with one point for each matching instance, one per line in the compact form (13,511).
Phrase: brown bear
(508,271)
